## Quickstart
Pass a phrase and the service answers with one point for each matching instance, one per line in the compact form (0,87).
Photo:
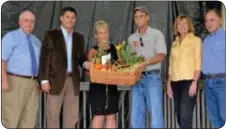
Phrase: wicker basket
(116,78)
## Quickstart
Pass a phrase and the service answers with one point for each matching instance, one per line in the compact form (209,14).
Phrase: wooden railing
(200,119)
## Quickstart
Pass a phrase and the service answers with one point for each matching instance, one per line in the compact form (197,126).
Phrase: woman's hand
(92,52)
(169,90)
(193,89)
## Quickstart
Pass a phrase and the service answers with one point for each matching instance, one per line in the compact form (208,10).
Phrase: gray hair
(25,12)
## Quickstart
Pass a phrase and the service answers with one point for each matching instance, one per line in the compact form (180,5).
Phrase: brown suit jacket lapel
(75,45)
(62,42)
(74,49)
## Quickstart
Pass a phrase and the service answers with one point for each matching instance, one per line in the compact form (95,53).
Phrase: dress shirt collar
(146,32)
(22,32)
(187,36)
(219,30)
(65,33)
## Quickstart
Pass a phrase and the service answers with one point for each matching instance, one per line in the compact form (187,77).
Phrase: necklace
(104,46)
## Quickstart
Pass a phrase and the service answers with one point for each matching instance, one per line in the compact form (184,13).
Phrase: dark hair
(66,9)
(217,12)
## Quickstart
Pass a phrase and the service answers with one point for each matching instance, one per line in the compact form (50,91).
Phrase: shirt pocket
(219,48)
(174,51)
(188,50)
(150,43)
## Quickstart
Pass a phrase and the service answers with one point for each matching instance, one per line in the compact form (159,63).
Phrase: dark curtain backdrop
(117,13)
(120,18)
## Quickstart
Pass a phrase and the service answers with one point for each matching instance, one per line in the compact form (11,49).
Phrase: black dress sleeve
(95,47)
(112,50)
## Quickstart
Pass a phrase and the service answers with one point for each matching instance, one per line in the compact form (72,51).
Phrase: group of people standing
(52,66)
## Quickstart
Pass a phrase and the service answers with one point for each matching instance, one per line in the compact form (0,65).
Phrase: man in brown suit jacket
(61,53)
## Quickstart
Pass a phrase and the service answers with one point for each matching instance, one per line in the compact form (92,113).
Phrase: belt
(155,71)
(69,74)
(23,76)
(218,75)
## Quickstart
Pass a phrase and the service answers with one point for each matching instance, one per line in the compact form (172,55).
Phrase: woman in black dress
(103,98)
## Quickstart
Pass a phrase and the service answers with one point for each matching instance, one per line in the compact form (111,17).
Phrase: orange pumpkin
(105,66)
(97,66)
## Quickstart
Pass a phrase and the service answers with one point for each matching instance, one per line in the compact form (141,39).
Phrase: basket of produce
(126,71)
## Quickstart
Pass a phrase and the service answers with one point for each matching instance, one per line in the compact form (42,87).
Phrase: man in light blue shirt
(214,69)
(68,42)
(20,62)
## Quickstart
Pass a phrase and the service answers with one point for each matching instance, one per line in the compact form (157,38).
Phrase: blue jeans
(215,101)
(147,93)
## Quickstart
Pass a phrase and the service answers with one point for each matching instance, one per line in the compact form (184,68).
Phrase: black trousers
(184,104)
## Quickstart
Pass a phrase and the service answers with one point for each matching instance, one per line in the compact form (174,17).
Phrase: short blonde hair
(178,19)
(100,24)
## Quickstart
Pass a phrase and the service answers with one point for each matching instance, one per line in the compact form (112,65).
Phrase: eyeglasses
(141,42)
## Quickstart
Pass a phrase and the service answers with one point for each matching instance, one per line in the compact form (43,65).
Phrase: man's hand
(143,65)
(87,65)
(39,88)
(5,83)
(45,87)
(5,86)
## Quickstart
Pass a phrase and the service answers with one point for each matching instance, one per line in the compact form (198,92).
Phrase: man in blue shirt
(61,53)
(20,61)
(214,68)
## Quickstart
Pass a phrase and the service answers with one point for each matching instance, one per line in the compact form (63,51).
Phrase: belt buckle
(145,73)
(212,75)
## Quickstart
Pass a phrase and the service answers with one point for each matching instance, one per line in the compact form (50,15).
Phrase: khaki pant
(70,107)
(20,103)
